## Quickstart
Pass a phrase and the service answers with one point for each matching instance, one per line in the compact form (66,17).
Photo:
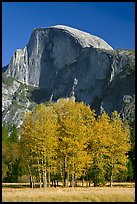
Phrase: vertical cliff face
(49,51)
(63,61)
(56,55)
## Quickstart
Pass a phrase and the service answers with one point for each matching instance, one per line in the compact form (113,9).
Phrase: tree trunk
(73,176)
(44,178)
(49,177)
(31,181)
(61,173)
(65,172)
(111,181)
(54,183)
(34,182)
(86,183)
(44,174)
(31,178)
(73,180)
(111,175)
(95,182)
(65,179)
(111,178)
(40,183)
(68,179)
(71,183)
(83,181)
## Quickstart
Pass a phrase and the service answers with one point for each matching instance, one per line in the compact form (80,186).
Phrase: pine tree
(10,154)
(4,151)
(4,133)
(13,134)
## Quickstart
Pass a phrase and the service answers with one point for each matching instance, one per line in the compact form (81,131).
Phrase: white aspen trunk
(65,171)
(44,175)
(49,177)
(70,183)
(73,179)
(83,180)
(111,176)
(61,173)
(40,183)
(44,178)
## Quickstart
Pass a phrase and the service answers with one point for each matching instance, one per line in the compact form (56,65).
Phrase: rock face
(60,61)
(52,50)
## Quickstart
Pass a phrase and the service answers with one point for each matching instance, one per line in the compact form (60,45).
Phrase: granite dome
(59,62)
(84,38)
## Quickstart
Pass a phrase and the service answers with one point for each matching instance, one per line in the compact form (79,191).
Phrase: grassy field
(90,194)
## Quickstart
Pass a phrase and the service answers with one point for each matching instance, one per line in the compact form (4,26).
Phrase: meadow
(78,194)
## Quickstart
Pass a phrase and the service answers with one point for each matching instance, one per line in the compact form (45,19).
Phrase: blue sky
(112,21)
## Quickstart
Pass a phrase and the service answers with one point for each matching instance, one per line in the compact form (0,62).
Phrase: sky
(114,22)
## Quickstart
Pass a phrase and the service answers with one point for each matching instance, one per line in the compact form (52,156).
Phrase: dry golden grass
(90,194)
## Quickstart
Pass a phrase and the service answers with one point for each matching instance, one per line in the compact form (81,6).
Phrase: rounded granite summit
(84,38)
(62,62)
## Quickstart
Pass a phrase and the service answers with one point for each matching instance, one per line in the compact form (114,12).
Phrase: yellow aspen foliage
(109,144)
(72,135)
(120,144)
(39,138)
(68,139)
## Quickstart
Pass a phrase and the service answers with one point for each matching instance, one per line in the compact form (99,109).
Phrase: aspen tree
(72,138)
(119,146)
(109,146)
(39,139)
(99,147)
